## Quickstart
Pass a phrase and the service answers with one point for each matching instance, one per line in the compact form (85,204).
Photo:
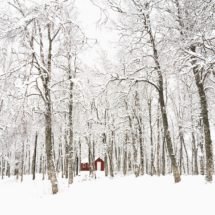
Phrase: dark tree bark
(205,119)
(34,157)
(181,157)
(77,160)
(160,89)
(125,155)
(89,158)
(106,165)
(141,128)
(116,157)
(48,119)
(151,137)
(158,145)
(66,159)
(119,159)
(29,162)
(22,165)
(43,168)
(185,148)
(110,154)
(163,158)
(71,75)
(79,156)
(136,166)
(203,100)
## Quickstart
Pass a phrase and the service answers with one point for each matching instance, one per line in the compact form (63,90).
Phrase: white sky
(89,16)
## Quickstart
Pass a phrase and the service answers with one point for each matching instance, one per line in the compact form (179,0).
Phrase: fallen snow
(121,195)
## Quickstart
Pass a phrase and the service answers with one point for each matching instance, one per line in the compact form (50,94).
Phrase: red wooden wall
(86,168)
(102,164)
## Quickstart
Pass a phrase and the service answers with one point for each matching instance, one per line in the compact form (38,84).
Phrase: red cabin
(99,164)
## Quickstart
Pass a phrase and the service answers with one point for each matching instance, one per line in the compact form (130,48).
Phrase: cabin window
(84,165)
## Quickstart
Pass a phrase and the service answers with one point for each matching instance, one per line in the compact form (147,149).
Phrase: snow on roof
(85,160)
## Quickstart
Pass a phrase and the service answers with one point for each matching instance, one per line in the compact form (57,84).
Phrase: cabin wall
(86,168)
(102,164)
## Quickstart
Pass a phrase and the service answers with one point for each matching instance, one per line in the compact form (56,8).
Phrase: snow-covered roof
(85,160)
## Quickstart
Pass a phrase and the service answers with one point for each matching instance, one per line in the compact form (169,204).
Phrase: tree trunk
(49,150)
(48,118)
(119,159)
(66,160)
(77,161)
(43,168)
(188,171)
(194,148)
(29,162)
(34,157)
(23,156)
(2,174)
(125,155)
(116,157)
(70,122)
(204,114)
(160,89)
(110,153)
(106,165)
(62,160)
(163,158)
(141,128)
(151,137)
(136,166)
(89,158)
(79,156)
(181,156)
(167,133)
(158,145)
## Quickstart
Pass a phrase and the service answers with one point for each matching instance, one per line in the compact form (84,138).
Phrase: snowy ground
(121,195)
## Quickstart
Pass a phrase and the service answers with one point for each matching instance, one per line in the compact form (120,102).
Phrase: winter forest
(131,82)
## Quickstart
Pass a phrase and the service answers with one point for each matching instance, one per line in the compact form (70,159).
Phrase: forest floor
(108,196)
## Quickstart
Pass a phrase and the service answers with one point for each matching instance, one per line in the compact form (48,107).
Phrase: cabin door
(98,166)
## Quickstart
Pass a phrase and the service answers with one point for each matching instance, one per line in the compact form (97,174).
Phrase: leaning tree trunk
(166,131)
(204,113)
(182,139)
(160,89)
